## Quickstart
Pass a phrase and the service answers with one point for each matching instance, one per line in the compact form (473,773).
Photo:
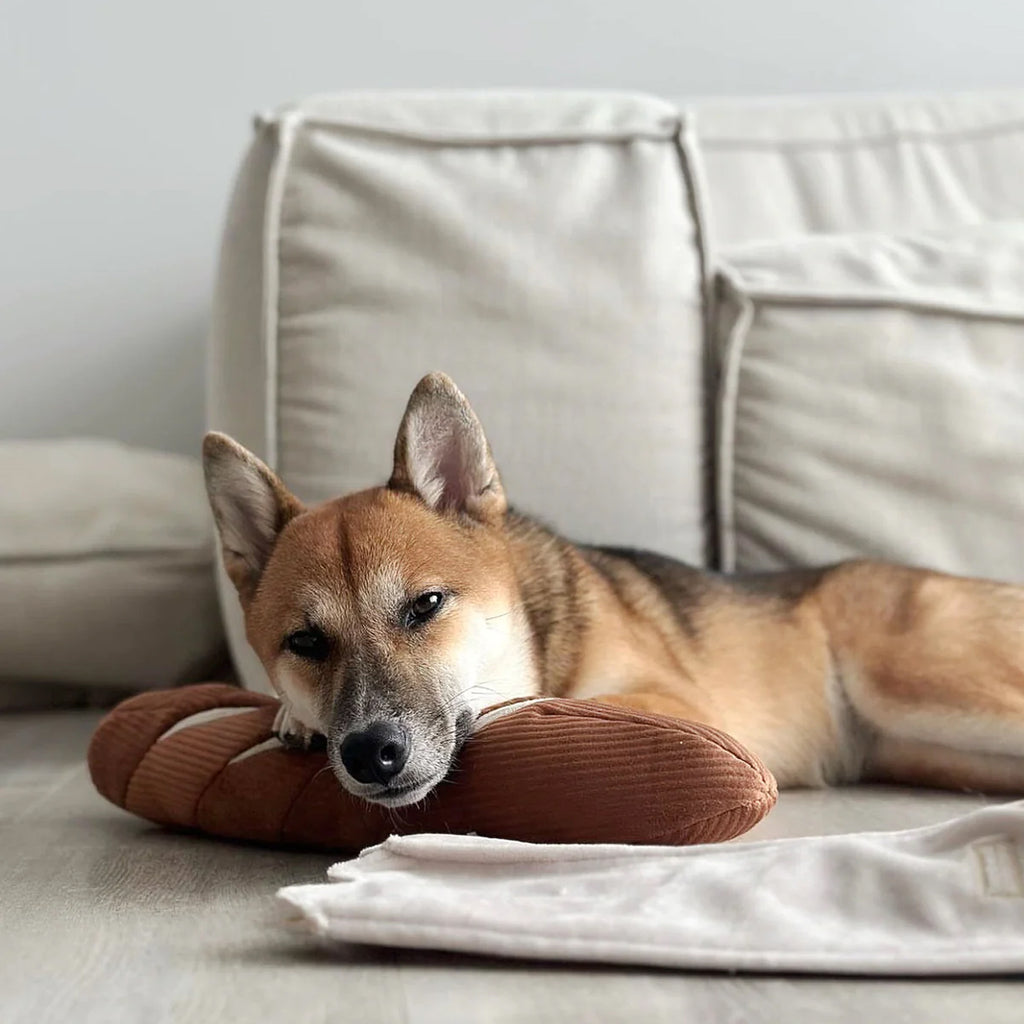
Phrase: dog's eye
(308,643)
(423,608)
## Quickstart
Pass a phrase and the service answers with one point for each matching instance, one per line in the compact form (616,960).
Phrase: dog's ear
(250,507)
(442,455)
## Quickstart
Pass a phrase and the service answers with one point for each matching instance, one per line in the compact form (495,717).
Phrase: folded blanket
(947,899)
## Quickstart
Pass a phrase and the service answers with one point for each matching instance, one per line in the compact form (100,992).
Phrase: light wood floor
(104,918)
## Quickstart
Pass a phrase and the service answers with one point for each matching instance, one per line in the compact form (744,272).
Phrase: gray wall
(123,121)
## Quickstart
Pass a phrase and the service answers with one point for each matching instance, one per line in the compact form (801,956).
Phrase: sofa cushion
(781,168)
(539,248)
(872,402)
(106,571)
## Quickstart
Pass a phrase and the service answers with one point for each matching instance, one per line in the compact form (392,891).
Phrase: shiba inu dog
(387,619)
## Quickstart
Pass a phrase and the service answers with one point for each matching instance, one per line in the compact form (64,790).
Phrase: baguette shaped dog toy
(205,758)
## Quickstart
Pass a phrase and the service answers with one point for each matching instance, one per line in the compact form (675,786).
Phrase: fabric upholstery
(106,571)
(551,251)
(539,248)
(872,402)
(781,168)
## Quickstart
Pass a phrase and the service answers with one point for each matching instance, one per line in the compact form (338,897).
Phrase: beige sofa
(749,334)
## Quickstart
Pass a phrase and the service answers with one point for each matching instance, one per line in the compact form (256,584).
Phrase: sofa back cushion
(539,248)
(872,402)
(775,169)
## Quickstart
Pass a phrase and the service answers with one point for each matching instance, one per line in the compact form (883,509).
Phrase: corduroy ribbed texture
(557,771)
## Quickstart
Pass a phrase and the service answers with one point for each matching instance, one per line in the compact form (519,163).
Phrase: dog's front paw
(293,733)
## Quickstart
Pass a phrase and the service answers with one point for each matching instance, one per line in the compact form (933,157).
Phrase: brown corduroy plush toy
(557,771)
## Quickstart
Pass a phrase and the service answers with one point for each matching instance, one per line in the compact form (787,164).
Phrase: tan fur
(343,561)
(859,671)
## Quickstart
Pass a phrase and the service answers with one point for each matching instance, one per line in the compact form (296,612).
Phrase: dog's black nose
(377,754)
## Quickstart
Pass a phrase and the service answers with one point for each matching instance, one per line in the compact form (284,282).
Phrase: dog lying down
(387,619)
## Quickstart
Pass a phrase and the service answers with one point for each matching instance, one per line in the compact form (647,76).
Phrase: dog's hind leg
(933,666)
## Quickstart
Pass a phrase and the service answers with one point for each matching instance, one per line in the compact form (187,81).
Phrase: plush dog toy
(556,771)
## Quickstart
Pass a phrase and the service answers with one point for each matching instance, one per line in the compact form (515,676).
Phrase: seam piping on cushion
(663,132)
(697,197)
(186,558)
(286,129)
(885,300)
(725,421)
(941,137)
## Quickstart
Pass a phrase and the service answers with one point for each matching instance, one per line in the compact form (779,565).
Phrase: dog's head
(388,618)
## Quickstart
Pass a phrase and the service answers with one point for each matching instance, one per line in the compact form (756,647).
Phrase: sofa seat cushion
(871,401)
(106,570)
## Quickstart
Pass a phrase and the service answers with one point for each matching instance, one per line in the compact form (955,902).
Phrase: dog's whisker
(448,703)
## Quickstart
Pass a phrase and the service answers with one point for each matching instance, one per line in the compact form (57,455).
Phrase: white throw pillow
(871,402)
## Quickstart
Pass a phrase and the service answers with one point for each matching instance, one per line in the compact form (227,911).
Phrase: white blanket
(938,900)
